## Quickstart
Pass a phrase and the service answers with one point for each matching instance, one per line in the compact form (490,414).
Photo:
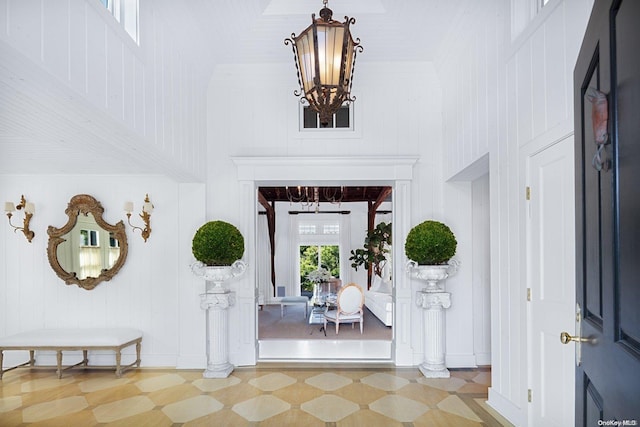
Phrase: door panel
(592,210)
(608,217)
(627,77)
(593,406)
(552,249)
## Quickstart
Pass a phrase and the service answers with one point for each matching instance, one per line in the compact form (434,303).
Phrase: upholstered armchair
(349,309)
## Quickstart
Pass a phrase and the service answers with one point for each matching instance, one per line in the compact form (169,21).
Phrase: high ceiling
(390,30)
(45,130)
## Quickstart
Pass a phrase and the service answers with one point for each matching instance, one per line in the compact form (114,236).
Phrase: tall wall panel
(524,87)
(104,79)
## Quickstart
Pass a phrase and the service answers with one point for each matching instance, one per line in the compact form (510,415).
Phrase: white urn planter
(215,276)
(434,275)
(215,301)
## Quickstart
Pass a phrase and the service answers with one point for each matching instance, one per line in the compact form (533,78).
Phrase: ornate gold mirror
(86,250)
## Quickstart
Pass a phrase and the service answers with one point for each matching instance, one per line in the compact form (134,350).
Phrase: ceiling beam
(271,227)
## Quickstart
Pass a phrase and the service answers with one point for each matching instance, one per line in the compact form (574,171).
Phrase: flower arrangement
(319,276)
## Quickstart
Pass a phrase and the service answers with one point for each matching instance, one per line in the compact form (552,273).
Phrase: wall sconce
(29,210)
(147,208)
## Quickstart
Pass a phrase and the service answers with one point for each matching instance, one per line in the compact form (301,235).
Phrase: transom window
(327,228)
(340,120)
(307,229)
(126,13)
(331,229)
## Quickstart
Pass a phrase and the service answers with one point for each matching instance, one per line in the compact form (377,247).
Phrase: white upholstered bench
(84,339)
(293,301)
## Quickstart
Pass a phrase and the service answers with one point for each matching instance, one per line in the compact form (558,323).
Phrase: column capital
(433,300)
(217,301)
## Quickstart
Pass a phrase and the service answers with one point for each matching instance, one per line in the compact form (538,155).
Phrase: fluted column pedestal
(217,314)
(433,305)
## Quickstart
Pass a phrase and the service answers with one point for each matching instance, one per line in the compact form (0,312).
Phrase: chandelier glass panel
(325,55)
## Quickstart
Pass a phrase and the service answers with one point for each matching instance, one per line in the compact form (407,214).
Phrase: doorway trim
(267,171)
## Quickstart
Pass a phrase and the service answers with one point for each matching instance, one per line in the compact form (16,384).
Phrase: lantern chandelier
(325,57)
(309,197)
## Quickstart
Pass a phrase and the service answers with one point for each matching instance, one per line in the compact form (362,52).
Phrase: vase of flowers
(317,277)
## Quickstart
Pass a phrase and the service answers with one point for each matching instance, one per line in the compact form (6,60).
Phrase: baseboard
(506,408)
(192,361)
(461,360)
(14,358)
(483,359)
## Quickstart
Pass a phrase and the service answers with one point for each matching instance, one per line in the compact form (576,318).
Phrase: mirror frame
(85,204)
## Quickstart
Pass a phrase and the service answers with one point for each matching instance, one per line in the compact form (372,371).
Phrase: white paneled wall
(146,291)
(481,270)
(504,98)
(151,95)
(470,71)
(390,122)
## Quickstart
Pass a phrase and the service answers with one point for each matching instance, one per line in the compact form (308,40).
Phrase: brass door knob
(565,338)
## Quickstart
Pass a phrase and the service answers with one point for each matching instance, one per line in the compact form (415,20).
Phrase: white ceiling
(390,30)
(230,31)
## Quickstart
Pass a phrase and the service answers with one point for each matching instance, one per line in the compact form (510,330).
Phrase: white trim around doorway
(268,171)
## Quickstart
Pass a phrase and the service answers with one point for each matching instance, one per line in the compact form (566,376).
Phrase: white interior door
(551,275)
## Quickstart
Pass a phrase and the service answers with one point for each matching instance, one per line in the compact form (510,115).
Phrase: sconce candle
(29,210)
(147,208)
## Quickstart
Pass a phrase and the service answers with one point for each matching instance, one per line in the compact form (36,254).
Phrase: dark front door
(608,216)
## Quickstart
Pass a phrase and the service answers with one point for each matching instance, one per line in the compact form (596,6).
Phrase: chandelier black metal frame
(325,57)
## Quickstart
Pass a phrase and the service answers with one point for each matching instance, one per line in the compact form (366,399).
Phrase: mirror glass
(87,250)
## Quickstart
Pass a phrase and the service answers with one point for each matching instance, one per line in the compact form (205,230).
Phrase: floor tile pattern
(264,396)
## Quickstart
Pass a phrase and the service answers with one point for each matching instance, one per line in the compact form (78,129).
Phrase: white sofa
(379,300)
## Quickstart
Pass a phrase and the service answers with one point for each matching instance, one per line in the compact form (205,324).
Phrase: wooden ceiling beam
(271,226)
(384,193)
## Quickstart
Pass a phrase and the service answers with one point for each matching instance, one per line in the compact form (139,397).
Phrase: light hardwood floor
(258,396)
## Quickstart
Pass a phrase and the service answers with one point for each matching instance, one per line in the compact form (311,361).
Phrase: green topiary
(217,243)
(430,243)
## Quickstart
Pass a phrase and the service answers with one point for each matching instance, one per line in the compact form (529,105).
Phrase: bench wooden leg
(59,359)
(32,357)
(118,361)
(138,346)
(31,362)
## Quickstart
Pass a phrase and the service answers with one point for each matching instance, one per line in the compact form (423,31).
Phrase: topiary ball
(430,243)
(217,243)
